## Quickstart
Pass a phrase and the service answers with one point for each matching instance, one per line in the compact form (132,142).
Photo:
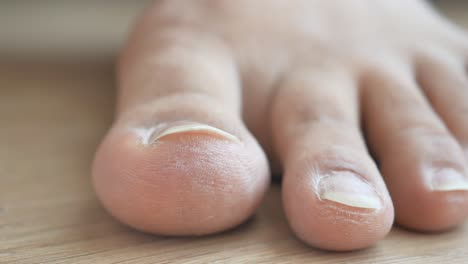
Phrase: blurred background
(65,29)
(88,29)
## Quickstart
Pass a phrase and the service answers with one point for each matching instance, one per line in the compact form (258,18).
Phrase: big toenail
(150,135)
(448,179)
(347,188)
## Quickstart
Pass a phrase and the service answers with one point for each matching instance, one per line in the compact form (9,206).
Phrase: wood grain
(54,113)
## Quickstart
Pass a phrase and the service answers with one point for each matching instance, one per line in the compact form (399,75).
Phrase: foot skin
(319,85)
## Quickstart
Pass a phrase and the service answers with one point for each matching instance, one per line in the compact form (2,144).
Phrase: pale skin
(361,106)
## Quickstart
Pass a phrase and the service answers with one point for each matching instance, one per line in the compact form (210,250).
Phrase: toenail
(448,179)
(150,135)
(347,188)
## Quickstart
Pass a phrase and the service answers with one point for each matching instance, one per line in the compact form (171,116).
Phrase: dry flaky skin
(302,76)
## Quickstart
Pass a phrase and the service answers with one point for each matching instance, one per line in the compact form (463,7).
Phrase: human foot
(303,76)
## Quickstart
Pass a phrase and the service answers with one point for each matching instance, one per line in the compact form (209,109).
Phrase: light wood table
(53,114)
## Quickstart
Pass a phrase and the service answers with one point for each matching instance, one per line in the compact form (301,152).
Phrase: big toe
(190,176)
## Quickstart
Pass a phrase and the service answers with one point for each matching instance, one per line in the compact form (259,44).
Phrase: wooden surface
(54,112)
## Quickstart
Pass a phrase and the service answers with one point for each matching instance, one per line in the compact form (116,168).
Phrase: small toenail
(448,179)
(151,135)
(347,188)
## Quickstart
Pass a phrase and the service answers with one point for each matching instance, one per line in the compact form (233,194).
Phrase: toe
(444,80)
(178,160)
(422,163)
(333,194)
(187,177)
